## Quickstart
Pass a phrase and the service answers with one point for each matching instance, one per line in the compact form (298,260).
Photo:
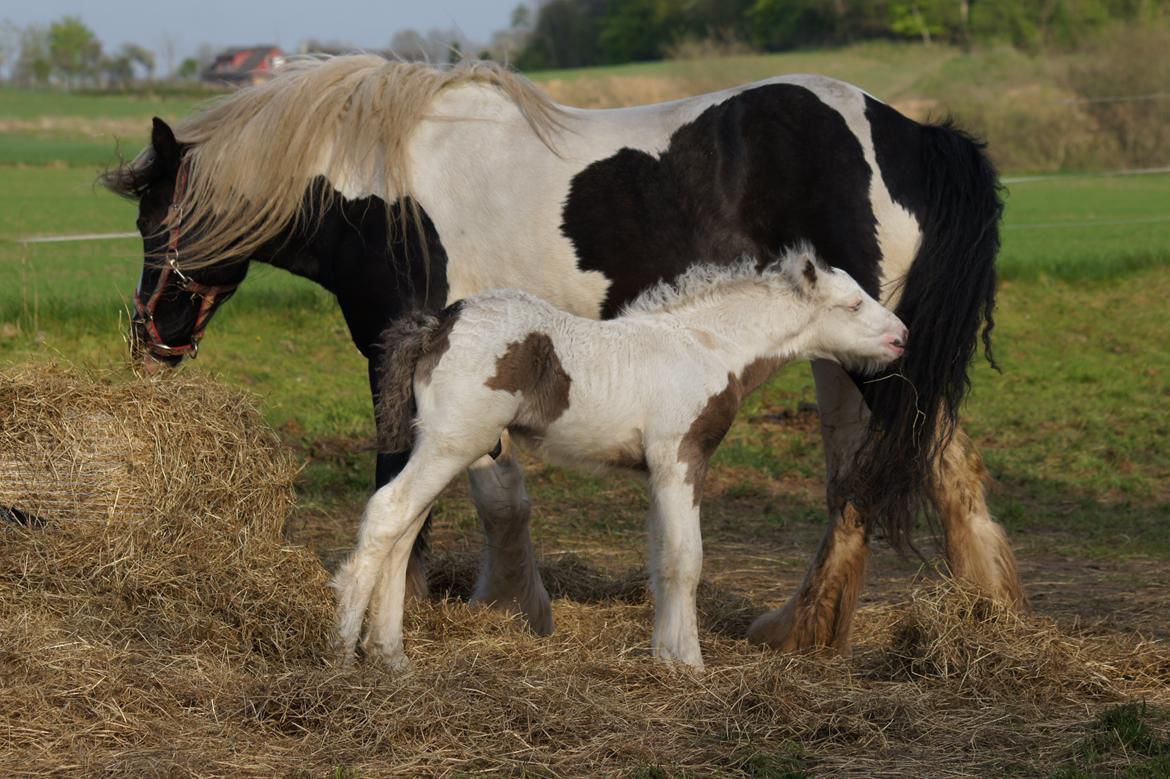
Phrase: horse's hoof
(775,629)
(534,607)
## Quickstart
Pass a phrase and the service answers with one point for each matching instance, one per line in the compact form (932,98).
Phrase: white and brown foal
(652,391)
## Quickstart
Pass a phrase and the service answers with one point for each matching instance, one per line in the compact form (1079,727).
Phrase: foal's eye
(856,306)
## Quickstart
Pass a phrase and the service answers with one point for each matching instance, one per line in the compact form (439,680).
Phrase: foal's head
(848,326)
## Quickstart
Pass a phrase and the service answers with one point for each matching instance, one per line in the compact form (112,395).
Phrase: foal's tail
(947,302)
(404,343)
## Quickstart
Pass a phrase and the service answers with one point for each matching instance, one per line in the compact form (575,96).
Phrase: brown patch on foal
(757,372)
(977,548)
(820,616)
(707,431)
(532,368)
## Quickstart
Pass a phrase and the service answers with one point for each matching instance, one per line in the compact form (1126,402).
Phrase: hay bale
(77,448)
(162,506)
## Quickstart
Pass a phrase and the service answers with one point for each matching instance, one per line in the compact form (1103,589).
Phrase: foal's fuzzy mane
(708,280)
(254,153)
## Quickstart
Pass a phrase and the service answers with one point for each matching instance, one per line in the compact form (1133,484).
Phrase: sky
(188,23)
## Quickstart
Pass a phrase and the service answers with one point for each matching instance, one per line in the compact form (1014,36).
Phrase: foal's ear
(801,269)
(162,138)
(810,272)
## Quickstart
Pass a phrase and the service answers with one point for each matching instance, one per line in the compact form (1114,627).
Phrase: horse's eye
(856,306)
(141,225)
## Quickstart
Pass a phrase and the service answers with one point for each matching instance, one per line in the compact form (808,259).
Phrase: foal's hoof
(342,652)
(396,662)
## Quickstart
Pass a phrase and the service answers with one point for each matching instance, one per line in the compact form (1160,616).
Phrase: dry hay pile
(185,638)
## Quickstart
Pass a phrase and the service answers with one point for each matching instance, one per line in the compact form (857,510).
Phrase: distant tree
(784,24)
(409,44)
(634,30)
(521,18)
(188,69)
(33,67)
(140,56)
(565,35)
(118,69)
(9,45)
(167,47)
(74,50)
(454,52)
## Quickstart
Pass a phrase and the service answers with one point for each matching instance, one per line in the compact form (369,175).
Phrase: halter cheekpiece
(209,294)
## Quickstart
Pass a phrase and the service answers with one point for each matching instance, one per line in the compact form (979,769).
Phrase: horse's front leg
(508,579)
(821,612)
(976,545)
(676,564)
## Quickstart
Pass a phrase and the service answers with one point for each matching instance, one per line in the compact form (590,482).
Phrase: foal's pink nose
(898,342)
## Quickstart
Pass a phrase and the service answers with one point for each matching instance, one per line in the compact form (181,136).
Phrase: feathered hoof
(775,630)
(534,605)
(783,631)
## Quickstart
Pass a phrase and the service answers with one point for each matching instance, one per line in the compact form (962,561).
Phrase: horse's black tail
(947,301)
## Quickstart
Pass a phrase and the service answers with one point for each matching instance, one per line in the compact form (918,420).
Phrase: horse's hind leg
(976,546)
(508,579)
(821,612)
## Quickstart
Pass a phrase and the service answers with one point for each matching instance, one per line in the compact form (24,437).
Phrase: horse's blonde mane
(255,152)
(704,281)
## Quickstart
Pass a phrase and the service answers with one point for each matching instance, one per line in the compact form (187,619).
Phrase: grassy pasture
(1073,429)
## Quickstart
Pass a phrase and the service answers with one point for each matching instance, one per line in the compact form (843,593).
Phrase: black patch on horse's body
(761,171)
(773,166)
(378,274)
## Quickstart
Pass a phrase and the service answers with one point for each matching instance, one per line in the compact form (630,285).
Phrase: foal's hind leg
(821,612)
(508,579)
(976,546)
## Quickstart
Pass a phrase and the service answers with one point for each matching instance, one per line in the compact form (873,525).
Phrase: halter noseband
(208,294)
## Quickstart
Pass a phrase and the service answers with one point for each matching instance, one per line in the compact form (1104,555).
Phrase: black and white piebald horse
(398,186)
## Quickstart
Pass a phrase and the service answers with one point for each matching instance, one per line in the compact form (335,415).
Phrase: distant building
(243,66)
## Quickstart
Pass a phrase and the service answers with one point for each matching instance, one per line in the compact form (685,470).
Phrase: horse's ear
(162,138)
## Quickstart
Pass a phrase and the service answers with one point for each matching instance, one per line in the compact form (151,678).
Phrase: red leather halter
(208,294)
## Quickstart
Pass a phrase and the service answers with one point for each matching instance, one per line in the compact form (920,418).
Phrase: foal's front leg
(393,517)
(676,564)
(508,579)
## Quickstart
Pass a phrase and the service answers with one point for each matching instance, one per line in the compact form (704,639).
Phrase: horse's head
(172,306)
(850,326)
